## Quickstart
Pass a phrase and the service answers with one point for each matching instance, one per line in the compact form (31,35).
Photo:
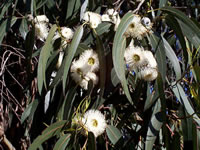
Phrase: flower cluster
(83,69)
(66,35)
(92,18)
(138,27)
(41,27)
(142,60)
(92,121)
(95,19)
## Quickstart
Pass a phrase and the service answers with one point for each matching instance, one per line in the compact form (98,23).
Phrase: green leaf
(113,134)
(162,3)
(29,111)
(24,28)
(184,100)
(5,27)
(157,44)
(197,73)
(4,8)
(189,28)
(51,131)
(62,142)
(44,55)
(91,141)
(173,23)
(71,52)
(103,28)
(173,58)
(118,49)
(154,127)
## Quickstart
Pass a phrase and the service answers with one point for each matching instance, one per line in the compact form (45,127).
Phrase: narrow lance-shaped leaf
(187,25)
(48,133)
(62,143)
(5,27)
(173,58)
(118,52)
(154,126)
(71,52)
(180,94)
(113,134)
(44,55)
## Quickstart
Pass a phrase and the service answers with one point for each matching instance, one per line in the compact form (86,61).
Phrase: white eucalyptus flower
(148,73)
(91,60)
(92,18)
(134,57)
(105,17)
(41,18)
(150,59)
(92,76)
(77,71)
(112,12)
(94,121)
(67,33)
(41,31)
(41,27)
(136,29)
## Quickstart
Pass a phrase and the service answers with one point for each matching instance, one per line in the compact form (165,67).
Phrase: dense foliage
(50,98)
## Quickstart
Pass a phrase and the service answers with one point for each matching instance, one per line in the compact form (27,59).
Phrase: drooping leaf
(185,101)
(189,28)
(4,7)
(173,58)
(30,110)
(5,27)
(118,49)
(51,131)
(113,134)
(157,45)
(71,52)
(44,55)
(62,142)
(154,126)
(91,141)
(173,23)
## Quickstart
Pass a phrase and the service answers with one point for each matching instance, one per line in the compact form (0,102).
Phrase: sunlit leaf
(118,52)
(113,134)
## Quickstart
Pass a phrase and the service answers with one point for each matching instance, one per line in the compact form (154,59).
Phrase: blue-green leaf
(62,142)
(44,55)
(51,131)
(71,52)
(113,134)
(118,49)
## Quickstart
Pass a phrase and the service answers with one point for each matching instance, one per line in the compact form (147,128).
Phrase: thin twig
(138,7)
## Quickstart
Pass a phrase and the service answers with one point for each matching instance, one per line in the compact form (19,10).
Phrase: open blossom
(150,59)
(91,60)
(136,29)
(41,27)
(134,57)
(92,18)
(67,33)
(148,73)
(82,70)
(94,121)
